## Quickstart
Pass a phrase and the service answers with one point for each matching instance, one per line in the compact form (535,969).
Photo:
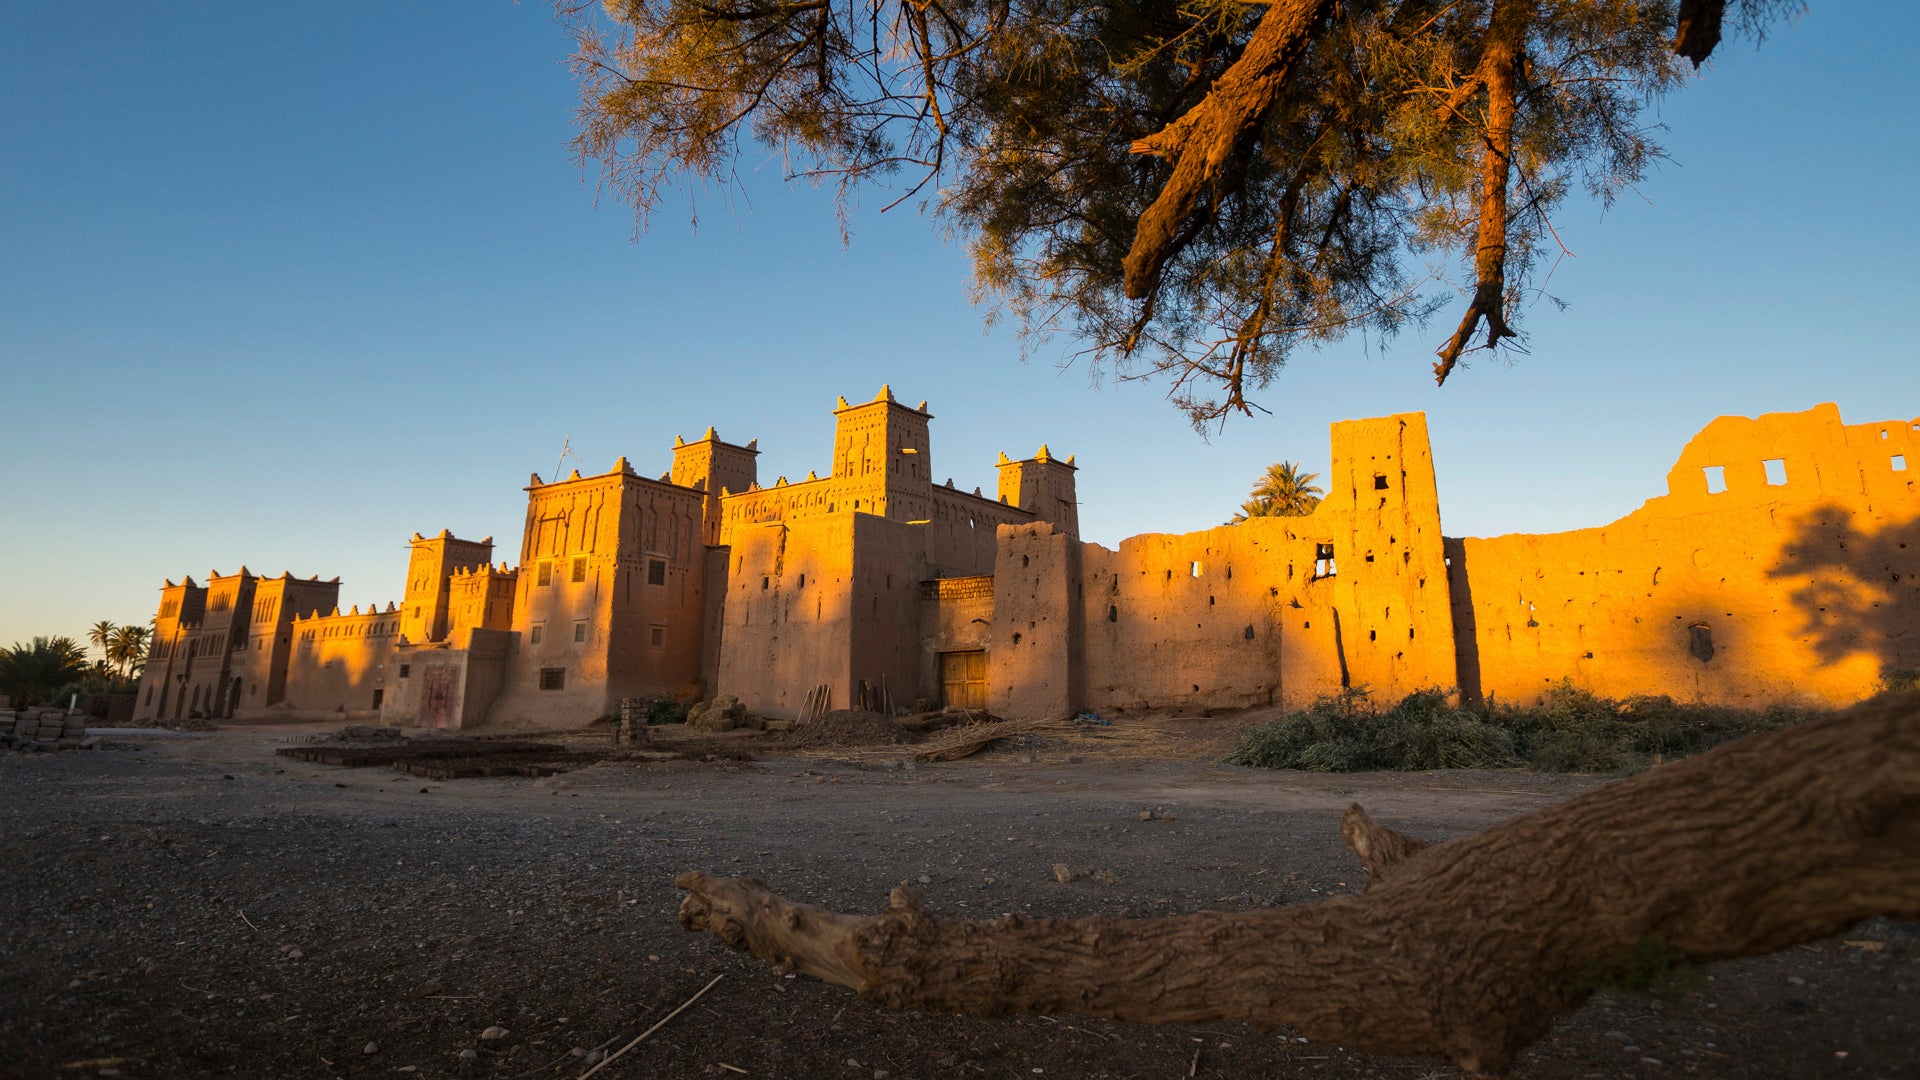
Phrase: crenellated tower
(710,465)
(882,456)
(1043,486)
(433,562)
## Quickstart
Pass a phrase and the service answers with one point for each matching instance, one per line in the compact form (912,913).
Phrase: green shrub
(665,710)
(1347,732)
(1569,730)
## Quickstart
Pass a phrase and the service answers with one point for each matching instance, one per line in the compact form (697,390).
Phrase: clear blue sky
(282,285)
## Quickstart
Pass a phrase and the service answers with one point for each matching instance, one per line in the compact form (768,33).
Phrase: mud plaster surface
(195,906)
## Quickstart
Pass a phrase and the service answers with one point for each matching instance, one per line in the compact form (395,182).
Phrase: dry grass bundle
(958,742)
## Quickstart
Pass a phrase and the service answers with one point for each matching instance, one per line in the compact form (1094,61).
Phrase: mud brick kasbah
(1782,565)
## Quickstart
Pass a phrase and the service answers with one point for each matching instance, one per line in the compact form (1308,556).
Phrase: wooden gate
(963,679)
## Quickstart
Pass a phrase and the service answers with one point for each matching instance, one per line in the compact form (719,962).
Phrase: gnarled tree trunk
(1465,949)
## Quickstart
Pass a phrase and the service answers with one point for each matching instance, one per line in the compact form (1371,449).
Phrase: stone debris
(27,730)
(1065,873)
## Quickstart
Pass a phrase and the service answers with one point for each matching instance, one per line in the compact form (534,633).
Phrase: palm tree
(101,635)
(128,649)
(1282,491)
(31,674)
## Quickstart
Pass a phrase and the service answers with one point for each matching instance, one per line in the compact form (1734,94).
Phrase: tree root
(1466,949)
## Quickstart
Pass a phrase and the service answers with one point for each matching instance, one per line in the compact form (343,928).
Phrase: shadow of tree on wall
(1857,589)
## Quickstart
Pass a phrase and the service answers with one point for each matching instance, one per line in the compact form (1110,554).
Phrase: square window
(1379,481)
(1716,478)
(659,636)
(546,574)
(553,678)
(580,631)
(656,571)
(1899,463)
(534,635)
(1776,471)
(406,670)
(579,569)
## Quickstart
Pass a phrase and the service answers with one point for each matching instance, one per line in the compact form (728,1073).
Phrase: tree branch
(1499,65)
(1466,949)
(1210,141)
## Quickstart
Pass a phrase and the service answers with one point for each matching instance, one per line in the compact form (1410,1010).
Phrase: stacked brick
(44,729)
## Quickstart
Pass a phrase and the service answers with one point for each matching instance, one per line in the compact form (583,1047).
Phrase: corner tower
(1043,486)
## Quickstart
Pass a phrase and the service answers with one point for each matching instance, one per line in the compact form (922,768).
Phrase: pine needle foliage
(1192,191)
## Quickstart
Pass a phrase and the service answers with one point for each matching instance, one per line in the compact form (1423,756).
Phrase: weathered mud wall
(1783,565)
(1270,611)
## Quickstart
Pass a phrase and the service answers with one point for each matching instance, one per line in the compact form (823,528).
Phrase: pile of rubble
(44,729)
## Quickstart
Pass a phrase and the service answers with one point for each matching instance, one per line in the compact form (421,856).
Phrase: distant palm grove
(52,670)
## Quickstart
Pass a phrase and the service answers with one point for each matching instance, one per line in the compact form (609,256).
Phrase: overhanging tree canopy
(1194,190)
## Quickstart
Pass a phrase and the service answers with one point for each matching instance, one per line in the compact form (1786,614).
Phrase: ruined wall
(1272,611)
(1783,565)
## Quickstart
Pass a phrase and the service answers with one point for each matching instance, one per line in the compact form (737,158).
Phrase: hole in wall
(1113,613)
(1899,463)
(1379,481)
(1700,641)
(1016,637)
(1248,632)
(1193,569)
(1716,478)
(1776,471)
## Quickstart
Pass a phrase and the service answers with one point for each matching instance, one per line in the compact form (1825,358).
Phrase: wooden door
(963,679)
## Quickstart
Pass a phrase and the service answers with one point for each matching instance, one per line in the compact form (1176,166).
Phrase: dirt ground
(193,905)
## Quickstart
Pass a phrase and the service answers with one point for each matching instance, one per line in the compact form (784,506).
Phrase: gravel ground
(195,906)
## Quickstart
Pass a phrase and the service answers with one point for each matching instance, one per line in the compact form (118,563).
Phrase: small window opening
(1776,471)
(1899,463)
(766,583)
(803,582)
(579,573)
(1016,637)
(534,635)
(580,631)
(553,678)
(659,636)
(406,670)
(1113,613)
(1379,481)
(656,571)
(1248,632)
(546,574)
(1323,564)
(1023,561)
(1373,635)
(1716,478)
(1193,569)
